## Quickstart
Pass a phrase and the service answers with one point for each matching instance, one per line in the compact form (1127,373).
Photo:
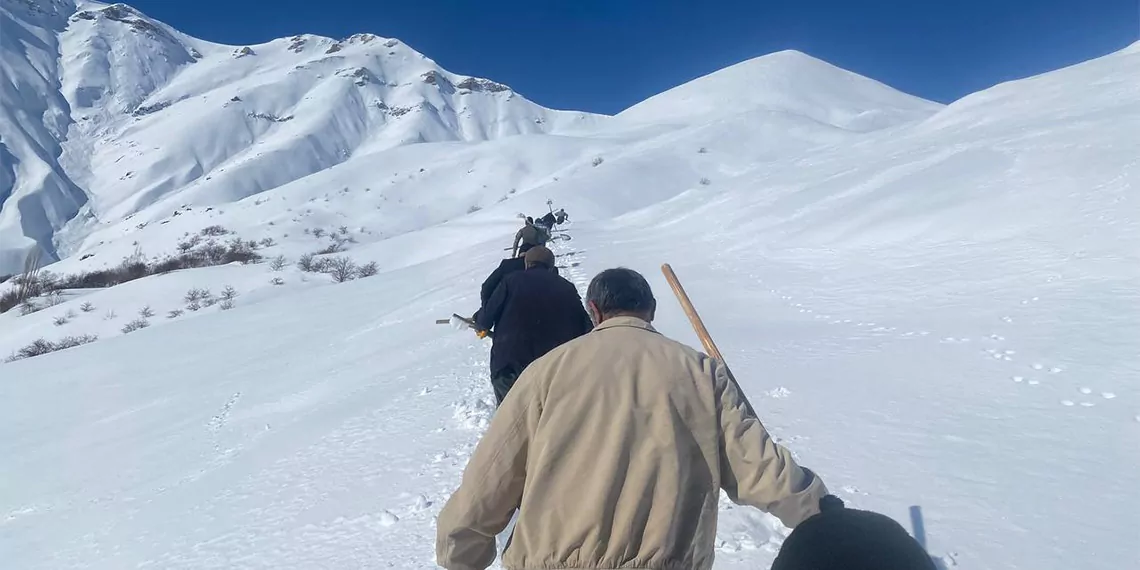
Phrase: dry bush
(367,270)
(135,325)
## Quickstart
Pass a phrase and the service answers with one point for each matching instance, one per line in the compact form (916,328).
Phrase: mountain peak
(787,81)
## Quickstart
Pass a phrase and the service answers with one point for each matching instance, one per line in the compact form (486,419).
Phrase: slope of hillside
(943,315)
(37,197)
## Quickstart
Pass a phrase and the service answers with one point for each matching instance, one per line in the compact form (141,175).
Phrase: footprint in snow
(1067,403)
(1086,390)
(779,393)
(1018,379)
(1056,370)
(1107,395)
(387,518)
(1033,382)
(1037,366)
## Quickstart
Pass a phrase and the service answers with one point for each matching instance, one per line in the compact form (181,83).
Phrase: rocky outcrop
(479,85)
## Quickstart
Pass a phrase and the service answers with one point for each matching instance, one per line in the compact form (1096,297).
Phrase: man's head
(539,257)
(529,221)
(839,538)
(620,292)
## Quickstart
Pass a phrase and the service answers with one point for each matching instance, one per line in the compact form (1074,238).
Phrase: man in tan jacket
(529,234)
(614,448)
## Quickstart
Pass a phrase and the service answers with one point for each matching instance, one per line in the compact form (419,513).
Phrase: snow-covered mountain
(931,306)
(113,115)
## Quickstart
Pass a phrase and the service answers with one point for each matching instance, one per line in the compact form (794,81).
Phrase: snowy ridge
(789,82)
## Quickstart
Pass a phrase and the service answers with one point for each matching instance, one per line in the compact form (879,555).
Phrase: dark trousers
(502,383)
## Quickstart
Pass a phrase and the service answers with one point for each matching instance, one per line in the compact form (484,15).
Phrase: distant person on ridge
(552,219)
(529,234)
(614,448)
(530,313)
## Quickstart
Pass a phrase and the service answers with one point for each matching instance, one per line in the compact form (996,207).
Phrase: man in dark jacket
(506,267)
(530,313)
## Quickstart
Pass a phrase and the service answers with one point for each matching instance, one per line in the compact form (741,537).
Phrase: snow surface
(939,313)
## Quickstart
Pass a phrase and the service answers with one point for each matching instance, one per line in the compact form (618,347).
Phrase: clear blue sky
(605,55)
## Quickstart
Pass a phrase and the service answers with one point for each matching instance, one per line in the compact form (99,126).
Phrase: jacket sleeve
(755,471)
(492,486)
(493,309)
(490,284)
(515,247)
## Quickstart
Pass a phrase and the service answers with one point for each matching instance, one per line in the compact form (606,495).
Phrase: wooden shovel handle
(691,311)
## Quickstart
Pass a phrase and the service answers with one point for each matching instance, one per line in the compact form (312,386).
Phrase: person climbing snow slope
(614,448)
(529,234)
(530,313)
(506,267)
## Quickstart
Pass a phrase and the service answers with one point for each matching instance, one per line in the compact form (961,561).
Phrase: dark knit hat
(839,538)
(539,255)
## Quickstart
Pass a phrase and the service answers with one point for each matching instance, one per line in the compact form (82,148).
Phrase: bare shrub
(87,307)
(341,269)
(334,247)
(28,285)
(27,307)
(198,298)
(36,348)
(597,161)
(474,208)
(367,270)
(229,293)
(193,295)
(135,325)
(226,305)
(702,150)
(321,265)
(41,346)
(278,263)
(174,314)
(277,281)
(705,182)
(189,244)
(214,230)
(306,263)
(267,242)
(60,321)
(318,232)
(146,312)
(343,230)
(54,297)
(241,251)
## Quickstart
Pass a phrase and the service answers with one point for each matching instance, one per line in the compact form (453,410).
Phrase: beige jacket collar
(632,322)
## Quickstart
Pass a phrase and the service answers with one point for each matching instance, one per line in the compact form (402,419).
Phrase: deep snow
(940,313)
